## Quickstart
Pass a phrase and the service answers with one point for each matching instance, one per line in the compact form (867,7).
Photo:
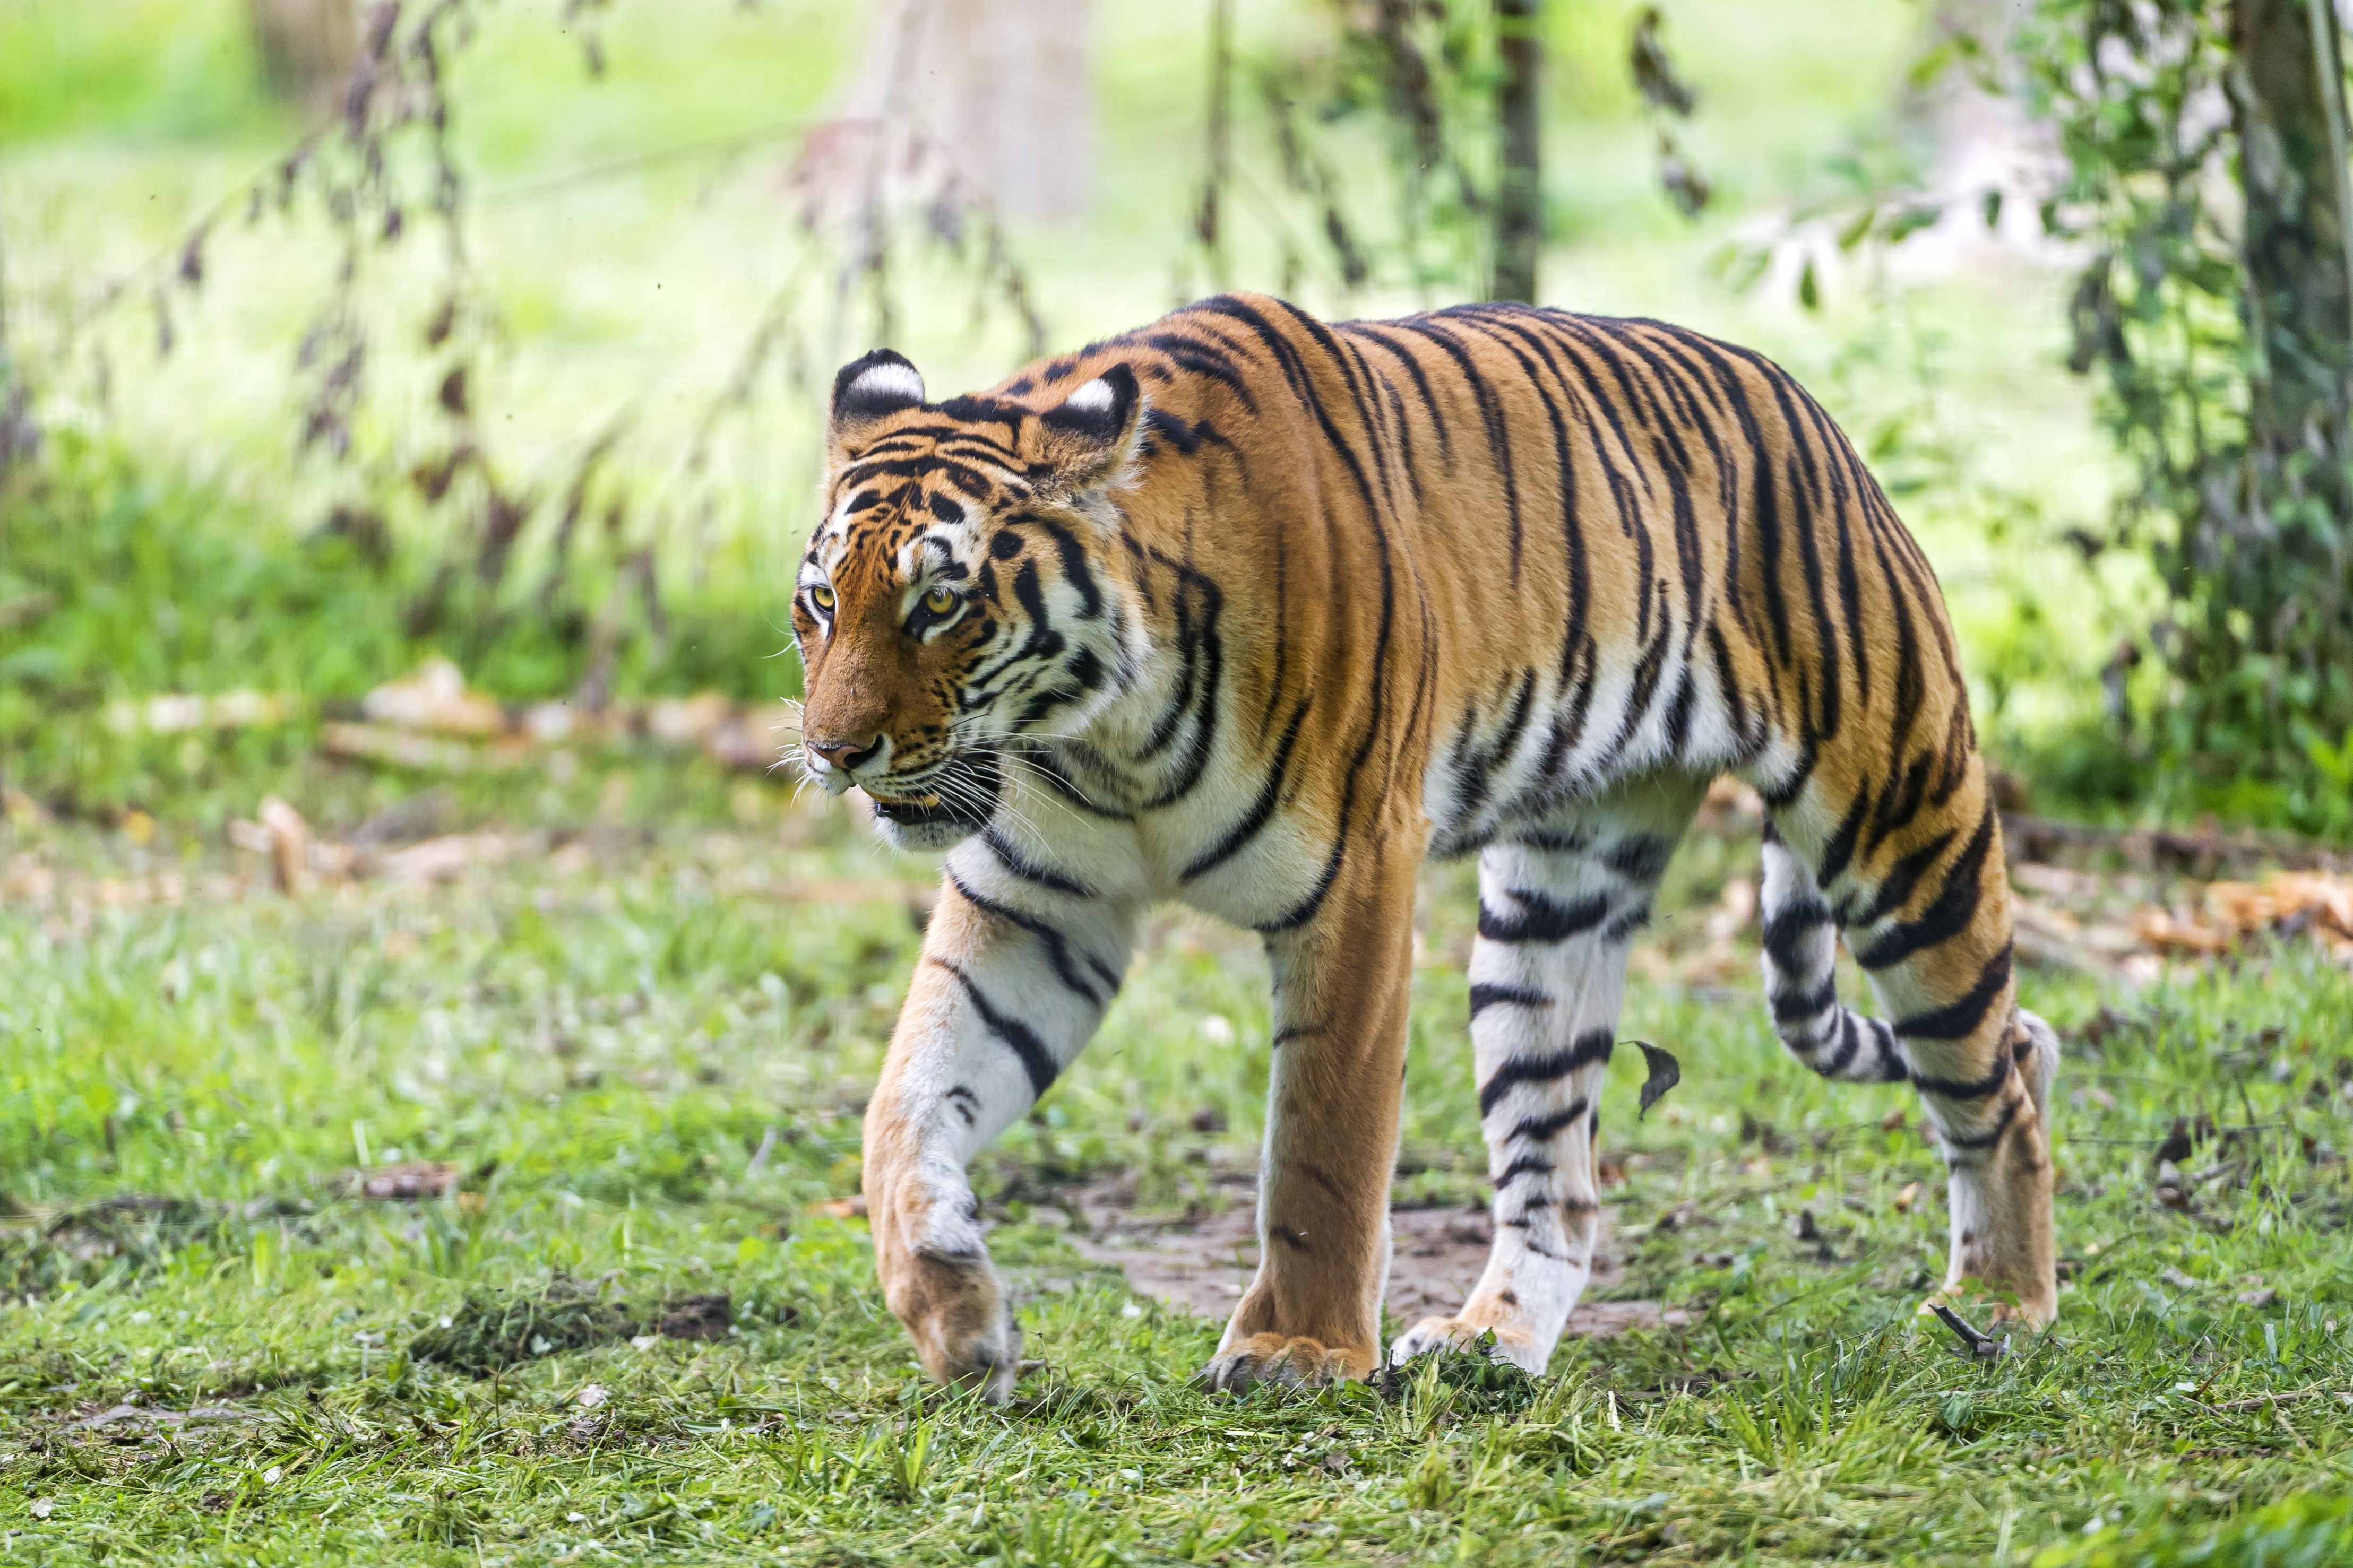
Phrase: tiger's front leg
(1019,962)
(1341,983)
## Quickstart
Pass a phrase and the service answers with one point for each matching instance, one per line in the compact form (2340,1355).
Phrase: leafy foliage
(2149,103)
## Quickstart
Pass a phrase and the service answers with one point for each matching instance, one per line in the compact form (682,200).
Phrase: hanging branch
(384,162)
(1208,202)
(1669,100)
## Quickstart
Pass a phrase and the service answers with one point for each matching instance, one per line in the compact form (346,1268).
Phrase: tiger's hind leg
(1558,908)
(1927,913)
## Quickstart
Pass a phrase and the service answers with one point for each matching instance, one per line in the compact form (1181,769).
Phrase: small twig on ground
(1973,1342)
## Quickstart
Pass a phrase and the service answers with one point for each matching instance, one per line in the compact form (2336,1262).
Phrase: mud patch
(494,1331)
(1200,1261)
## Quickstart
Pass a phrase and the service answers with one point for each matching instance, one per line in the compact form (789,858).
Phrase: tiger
(1257,613)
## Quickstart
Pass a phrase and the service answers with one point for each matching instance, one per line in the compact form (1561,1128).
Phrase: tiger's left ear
(866,391)
(1087,442)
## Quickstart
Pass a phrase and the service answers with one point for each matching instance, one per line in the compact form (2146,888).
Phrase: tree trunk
(20,438)
(307,46)
(2289,104)
(1519,183)
(2287,93)
(1003,89)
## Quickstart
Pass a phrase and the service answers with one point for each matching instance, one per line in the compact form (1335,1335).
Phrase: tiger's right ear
(868,389)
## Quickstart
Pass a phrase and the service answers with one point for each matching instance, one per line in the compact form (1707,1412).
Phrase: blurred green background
(633,238)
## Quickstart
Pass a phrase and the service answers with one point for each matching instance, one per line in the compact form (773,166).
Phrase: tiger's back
(1496,579)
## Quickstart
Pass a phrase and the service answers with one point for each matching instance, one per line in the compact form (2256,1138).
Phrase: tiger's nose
(849,755)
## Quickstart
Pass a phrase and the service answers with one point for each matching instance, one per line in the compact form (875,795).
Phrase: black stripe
(1491,414)
(1959,1020)
(1485,996)
(1986,1140)
(1640,857)
(1586,1051)
(1789,925)
(1028,871)
(1963,1088)
(1797,1006)
(1850,1043)
(1057,946)
(1545,919)
(1903,877)
(1526,1165)
(1380,332)
(1260,810)
(1036,1059)
(1953,912)
(1841,849)
(1540,1128)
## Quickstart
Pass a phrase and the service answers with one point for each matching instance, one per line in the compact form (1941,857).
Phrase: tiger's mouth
(960,794)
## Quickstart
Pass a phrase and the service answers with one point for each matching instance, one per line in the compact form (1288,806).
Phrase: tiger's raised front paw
(1272,1358)
(1454,1334)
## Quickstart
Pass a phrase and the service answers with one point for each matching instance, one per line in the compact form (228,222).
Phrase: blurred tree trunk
(19,436)
(307,46)
(2289,102)
(1004,90)
(1519,183)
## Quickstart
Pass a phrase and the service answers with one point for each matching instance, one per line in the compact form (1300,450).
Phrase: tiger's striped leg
(1933,931)
(1558,908)
(1020,960)
(1341,990)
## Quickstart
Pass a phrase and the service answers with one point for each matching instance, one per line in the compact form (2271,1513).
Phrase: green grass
(117,583)
(599,1041)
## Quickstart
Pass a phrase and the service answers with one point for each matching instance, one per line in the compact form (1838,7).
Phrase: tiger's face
(949,608)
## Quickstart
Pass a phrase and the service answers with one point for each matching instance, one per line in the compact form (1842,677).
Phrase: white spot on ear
(1094,397)
(888,380)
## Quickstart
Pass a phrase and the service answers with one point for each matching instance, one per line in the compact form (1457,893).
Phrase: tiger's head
(950,606)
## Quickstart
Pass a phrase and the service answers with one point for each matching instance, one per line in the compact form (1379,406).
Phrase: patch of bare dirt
(1201,1261)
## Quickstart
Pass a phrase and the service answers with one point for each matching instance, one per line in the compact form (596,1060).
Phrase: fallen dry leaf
(842,1208)
(1907,1197)
(434,697)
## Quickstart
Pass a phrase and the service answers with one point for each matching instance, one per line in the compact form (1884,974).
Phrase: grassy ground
(669,970)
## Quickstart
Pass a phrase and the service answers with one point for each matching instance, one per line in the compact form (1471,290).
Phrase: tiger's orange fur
(1254,612)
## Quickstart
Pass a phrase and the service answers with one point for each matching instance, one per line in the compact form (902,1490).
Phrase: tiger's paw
(1511,1345)
(1294,1361)
(964,1331)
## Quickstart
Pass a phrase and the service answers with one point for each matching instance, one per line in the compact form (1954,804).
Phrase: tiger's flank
(1254,612)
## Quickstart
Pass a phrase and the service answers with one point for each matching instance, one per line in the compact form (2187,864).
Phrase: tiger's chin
(963,798)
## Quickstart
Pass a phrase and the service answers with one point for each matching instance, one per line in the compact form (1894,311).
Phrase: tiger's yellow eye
(821,596)
(939,601)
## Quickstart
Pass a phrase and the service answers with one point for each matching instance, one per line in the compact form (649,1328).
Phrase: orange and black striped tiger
(1256,612)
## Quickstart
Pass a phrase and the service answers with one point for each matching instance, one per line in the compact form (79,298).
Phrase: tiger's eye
(821,596)
(939,601)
